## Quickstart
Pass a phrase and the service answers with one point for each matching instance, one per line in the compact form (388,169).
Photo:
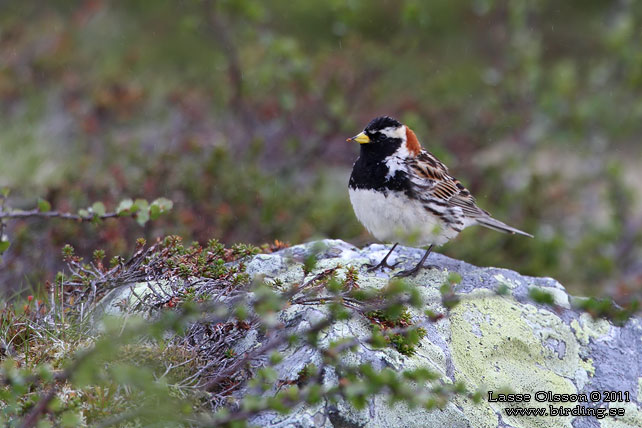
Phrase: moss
(404,343)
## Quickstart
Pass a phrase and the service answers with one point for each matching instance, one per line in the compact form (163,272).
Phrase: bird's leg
(413,271)
(384,262)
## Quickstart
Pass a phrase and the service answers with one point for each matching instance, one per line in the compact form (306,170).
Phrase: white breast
(395,218)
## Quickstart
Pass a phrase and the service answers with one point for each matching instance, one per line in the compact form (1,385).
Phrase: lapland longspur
(404,194)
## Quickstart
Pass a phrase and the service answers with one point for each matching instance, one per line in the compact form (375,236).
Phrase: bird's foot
(414,270)
(418,266)
(383,265)
(408,272)
(384,262)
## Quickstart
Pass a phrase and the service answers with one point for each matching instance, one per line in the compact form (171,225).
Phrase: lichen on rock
(493,336)
(490,342)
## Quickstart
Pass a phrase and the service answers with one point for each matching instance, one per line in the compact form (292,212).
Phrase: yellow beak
(361,138)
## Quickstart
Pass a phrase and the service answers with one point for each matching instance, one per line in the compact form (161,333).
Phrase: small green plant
(186,352)
(405,342)
(57,367)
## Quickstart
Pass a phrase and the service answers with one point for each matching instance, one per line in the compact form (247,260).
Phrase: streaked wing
(445,196)
(433,182)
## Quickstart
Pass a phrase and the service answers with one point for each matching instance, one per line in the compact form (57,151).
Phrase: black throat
(370,170)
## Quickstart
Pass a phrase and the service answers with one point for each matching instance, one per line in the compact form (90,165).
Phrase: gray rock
(489,342)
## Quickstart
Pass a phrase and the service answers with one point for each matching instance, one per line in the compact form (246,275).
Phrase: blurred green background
(238,111)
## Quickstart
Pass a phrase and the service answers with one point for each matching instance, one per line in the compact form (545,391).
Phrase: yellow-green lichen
(588,328)
(499,344)
(502,280)
(632,417)
(588,365)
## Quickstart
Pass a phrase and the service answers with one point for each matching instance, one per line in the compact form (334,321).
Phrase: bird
(404,194)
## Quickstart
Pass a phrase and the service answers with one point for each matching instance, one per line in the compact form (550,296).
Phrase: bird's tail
(491,223)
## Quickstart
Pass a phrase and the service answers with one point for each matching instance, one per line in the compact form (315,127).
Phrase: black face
(370,170)
(380,145)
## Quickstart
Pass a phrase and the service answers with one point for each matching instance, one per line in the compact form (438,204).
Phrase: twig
(304,394)
(3,201)
(281,339)
(262,350)
(54,214)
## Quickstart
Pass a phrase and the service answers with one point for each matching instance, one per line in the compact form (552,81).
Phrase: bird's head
(386,136)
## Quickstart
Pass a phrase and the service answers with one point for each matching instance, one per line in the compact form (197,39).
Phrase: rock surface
(489,342)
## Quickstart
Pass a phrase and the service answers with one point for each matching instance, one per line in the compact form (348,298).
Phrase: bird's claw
(407,272)
(383,265)
(413,271)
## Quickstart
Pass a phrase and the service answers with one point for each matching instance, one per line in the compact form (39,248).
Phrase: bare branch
(54,214)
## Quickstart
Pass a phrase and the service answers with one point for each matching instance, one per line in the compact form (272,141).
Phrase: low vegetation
(170,357)
(175,345)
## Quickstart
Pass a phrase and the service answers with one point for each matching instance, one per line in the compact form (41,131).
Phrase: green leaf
(277,404)
(141,204)
(43,205)
(275,358)
(125,207)
(314,394)
(454,278)
(43,423)
(141,208)
(160,206)
(70,419)
(142,216)
(164,204)
(55,405)
(154,212)
(98,208)
(5,191)
(4,245)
